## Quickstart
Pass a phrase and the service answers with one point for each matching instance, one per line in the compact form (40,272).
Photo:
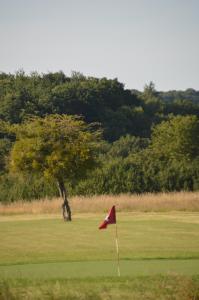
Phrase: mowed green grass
(41,257)
(141,236)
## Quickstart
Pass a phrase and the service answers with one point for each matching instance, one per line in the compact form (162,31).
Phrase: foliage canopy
(151,137)
(57,146)
(177,138)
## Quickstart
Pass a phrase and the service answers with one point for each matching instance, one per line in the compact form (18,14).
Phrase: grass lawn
(42,254)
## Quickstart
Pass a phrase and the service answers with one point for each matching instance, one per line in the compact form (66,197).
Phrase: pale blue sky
(134,40)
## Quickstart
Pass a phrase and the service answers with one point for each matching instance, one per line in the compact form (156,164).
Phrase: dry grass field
(160,202)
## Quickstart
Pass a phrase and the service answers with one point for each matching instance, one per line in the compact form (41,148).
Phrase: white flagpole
(117,249)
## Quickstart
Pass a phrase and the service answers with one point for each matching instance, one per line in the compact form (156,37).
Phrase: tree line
(149,140)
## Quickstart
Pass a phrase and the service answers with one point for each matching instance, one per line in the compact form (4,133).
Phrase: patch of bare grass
(162,202)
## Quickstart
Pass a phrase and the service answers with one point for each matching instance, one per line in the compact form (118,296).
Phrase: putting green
(141,236)
(101,268)
(155,243)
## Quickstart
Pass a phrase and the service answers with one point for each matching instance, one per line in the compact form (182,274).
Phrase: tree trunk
(65,205)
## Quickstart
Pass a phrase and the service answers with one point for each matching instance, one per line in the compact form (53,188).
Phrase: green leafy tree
(149,91)
(59,147)
(127,145)
(177,138)
(5,145)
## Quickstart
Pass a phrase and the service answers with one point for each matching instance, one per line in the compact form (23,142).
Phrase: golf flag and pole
(111,219)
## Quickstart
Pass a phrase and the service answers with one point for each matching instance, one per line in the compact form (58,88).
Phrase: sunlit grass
(42,257)
(141,235)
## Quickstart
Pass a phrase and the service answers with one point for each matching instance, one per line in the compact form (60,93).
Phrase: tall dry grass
(163,202)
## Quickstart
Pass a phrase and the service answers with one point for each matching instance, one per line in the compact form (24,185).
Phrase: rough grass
(107,288)
(163,202)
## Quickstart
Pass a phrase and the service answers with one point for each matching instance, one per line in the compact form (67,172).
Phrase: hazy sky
(134,40)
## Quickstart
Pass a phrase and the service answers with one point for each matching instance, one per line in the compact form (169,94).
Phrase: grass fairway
(42,254)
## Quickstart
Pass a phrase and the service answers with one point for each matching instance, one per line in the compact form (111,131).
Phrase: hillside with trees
(149,139)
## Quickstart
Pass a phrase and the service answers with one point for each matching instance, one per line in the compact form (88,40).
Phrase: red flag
(110,218)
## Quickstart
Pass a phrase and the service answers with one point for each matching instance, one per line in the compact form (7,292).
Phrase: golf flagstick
(117,249)
(111,219)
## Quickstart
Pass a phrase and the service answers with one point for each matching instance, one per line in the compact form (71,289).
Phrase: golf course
(99,150)
(43,257)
